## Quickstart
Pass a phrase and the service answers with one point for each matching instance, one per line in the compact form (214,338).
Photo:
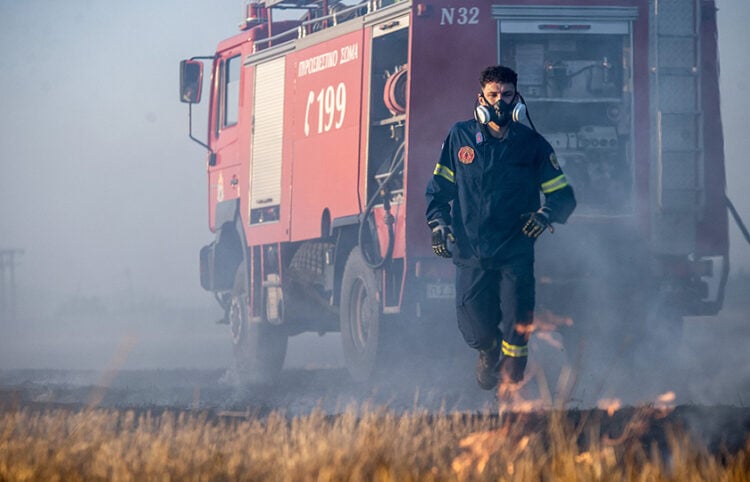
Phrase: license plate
(441,291)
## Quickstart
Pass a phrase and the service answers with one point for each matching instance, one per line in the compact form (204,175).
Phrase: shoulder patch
(553,161)
(466,155)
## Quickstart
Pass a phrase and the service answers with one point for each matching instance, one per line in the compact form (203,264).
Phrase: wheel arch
(227,252)
(325,224)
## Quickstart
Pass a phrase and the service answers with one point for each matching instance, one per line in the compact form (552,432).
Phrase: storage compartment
(576,78)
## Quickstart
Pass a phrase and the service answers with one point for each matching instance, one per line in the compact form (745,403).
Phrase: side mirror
(191,80)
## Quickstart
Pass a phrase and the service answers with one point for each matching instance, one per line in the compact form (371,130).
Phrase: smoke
(106,196)
(735,103)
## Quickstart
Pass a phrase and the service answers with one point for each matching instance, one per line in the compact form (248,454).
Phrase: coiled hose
(364,219)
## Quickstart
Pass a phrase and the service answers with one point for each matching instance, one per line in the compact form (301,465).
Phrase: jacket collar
(482,133)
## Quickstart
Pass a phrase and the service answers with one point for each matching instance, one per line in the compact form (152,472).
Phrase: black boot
(511,369)
(488,367)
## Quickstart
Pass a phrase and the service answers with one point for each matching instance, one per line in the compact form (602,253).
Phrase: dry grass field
(360,444)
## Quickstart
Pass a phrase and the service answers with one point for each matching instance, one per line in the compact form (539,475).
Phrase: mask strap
(526,111)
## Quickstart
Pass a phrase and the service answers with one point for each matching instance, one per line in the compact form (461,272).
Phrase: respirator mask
(500,113)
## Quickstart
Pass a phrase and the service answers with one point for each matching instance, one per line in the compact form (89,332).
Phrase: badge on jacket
(466,155)
(553,161)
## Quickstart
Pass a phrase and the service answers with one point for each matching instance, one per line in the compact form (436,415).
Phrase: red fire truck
(325,120)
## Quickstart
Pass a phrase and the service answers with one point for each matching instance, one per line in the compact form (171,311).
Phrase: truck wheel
(360,317)
(259,347)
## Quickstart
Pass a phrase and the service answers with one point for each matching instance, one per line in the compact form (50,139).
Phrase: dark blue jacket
(482,187)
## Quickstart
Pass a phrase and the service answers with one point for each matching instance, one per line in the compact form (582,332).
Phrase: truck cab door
(223,168)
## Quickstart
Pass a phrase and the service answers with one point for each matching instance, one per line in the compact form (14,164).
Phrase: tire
(360,317)
(259,347)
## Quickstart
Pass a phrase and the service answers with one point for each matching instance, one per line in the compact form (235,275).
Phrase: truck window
(231,89)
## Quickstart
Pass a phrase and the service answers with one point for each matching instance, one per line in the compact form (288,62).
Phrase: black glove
(537,222)
(441,234)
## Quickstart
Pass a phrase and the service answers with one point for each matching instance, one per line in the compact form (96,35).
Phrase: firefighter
(484,210)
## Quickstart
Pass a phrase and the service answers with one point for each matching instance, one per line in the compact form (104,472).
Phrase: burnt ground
(719,429)
(298,390)
(186,361)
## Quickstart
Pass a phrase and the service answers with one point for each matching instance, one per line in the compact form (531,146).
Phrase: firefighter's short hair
(498,73)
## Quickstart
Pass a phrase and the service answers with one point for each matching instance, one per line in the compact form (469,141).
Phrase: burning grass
(359,444)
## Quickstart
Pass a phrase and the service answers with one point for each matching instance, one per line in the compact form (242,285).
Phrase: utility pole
(8,289)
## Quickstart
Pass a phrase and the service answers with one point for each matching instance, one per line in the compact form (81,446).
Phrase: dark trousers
(494,305)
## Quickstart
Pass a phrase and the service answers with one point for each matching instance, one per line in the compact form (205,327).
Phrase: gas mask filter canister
(500,113)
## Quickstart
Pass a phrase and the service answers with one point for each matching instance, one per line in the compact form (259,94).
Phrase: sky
(99,184)
(734,83)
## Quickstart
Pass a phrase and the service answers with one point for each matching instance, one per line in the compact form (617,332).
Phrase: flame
(598,460)
(550,340)
(584,458)
(522,444)
(511,398)
(544,321)
(611,405)
(545,324)
(641,421)
(480,446)
(548,321)
(526,406)
(667,397)
(525,329)
(664,404)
